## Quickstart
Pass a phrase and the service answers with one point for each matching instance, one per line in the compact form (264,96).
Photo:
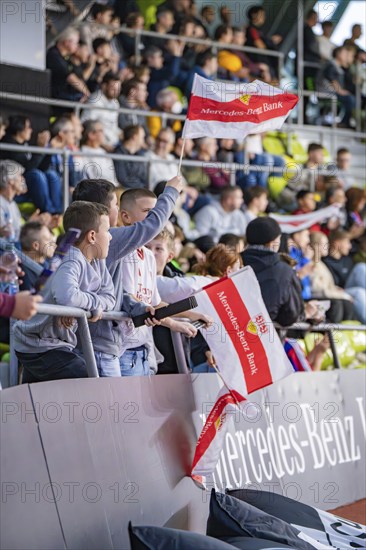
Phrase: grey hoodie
(107,335)
(76,283)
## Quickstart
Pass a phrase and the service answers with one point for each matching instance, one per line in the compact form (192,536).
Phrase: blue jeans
(259,177)
(355,286)
(134,362)
(44,190)
(348,103)
(202,367)
(108,365)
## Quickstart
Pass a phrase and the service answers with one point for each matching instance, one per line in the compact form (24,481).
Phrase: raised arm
(127,239)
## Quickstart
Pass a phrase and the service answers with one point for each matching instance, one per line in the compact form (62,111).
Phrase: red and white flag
(231,110)
(292,223)
(248,353)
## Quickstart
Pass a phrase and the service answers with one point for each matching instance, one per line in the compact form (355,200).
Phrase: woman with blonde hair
(323,285)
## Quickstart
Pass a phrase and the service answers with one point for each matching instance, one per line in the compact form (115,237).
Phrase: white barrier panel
(81,458)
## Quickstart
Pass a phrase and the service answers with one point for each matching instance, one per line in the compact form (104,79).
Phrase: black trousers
(55,364)
(340,310)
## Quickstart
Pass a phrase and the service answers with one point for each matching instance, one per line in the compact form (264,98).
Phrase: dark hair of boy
(129,85)
(231,240)
(337,51)
(330,192)
(253,11)
(302,193)
(342,151)
(130,196)
(99,42)
(254,192)
(338,235)
(314,147)
(110,77)
(28,234)
(203,57)
(228,191)
(94,190)
(85,216)
(221,31)
(100,8)
(16,123)
(130,131)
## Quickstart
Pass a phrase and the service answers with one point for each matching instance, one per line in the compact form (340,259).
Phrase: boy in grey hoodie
(107,336)
(45,344)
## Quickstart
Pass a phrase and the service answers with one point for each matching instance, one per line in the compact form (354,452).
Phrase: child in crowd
(235,242)
(346,275)
(256,201)
(38,243)
(107,336)
(173,285)
(45,345)
(323,285)
(139,280)
(306,204)
(299,250)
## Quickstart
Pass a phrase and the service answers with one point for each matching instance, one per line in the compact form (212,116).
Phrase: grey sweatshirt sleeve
(132,306)
(127,239)
(106,292)
(65,289)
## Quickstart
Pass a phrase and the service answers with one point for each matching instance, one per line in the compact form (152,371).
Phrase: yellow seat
(4,348)
(275,185)
(355,338)
(27,208)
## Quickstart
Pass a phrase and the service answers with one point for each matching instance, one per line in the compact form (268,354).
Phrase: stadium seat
(26,209)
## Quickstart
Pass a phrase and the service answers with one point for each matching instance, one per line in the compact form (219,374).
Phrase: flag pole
(181,156)
(226,386)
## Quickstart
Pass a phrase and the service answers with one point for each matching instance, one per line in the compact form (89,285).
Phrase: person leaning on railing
(45,346)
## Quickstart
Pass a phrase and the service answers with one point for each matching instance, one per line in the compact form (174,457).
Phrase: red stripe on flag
(209,430)
(250,108)
(235,317)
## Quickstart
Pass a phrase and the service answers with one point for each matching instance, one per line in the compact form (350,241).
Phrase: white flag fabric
(212,437)
(248,353)
(232,110)
(298,222)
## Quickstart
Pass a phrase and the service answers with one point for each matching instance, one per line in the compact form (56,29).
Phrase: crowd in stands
(82,57)
(150,237)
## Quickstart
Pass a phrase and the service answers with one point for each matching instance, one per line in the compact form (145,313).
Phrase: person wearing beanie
(280,286)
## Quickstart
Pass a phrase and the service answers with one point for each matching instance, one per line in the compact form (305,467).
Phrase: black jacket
(340,269)
(280,287)
(29,161)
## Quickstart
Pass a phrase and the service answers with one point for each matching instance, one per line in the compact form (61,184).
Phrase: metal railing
(85,338)
(231,167)
(88,350)
(327,328)
(213,44)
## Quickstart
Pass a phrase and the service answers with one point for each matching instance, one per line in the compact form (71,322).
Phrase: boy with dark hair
(139,280)
(256,202)
(45,345)
(107,336)
(306,204)
(347,275)
(306,178)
